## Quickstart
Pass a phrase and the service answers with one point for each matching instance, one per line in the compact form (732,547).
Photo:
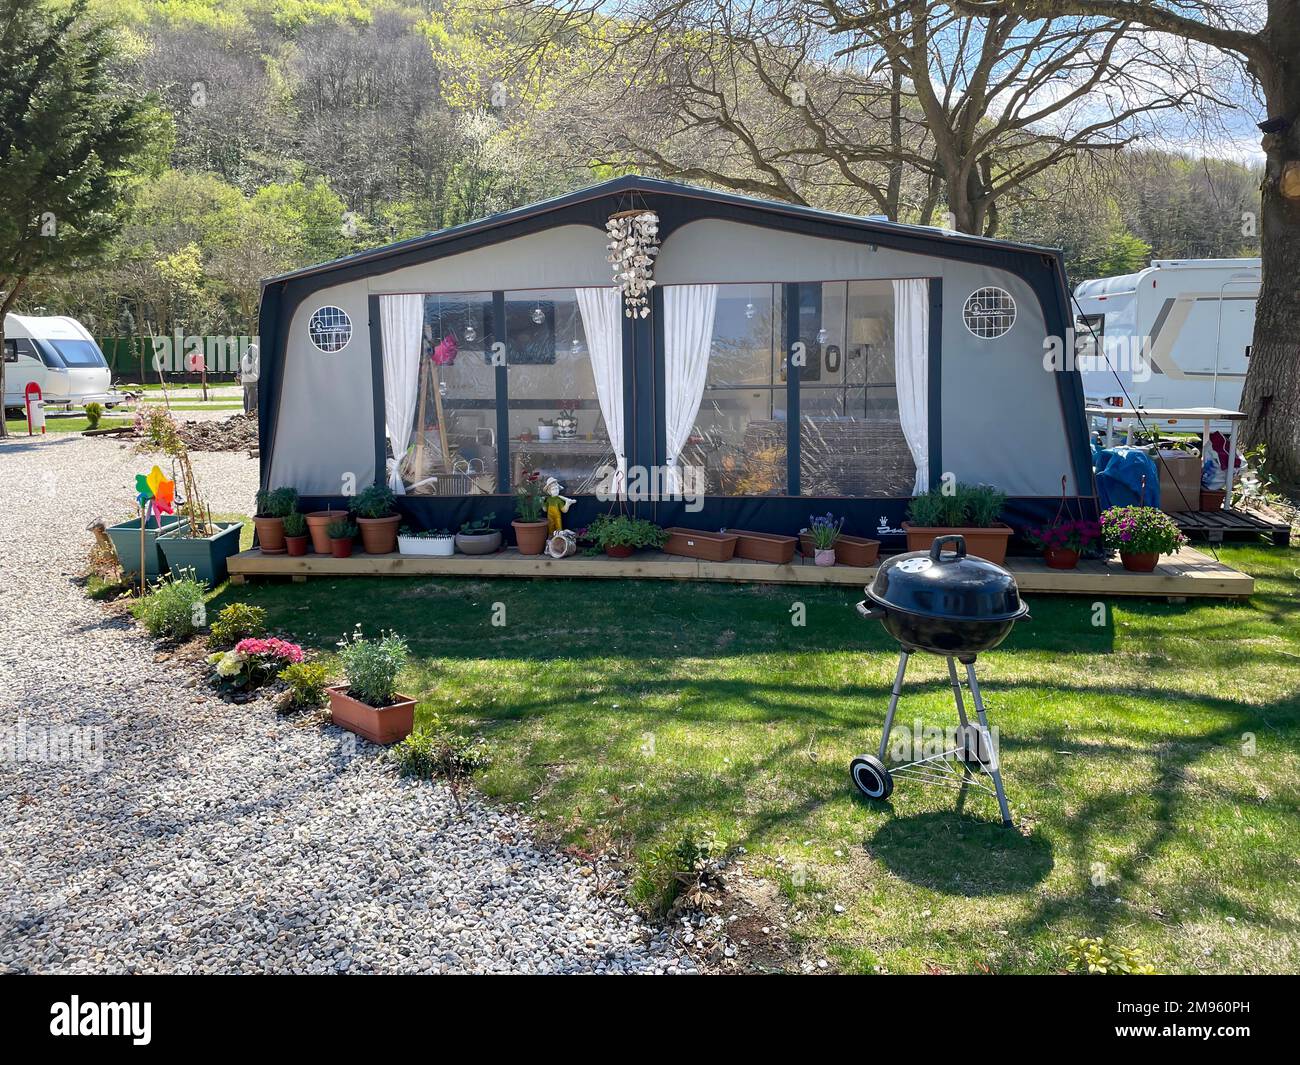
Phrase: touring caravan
(60,356)
(1177,334)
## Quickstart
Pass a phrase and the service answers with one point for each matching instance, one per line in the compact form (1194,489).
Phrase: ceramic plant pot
(1139,561)
(427,546)
(296,545)
(341,548)
(824,556)
(530,536)
(318,523)
(378,724)
(379,535)
(478,543)
(270,535)
(1060,557)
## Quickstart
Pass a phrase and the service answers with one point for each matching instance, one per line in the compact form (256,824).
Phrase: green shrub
(306,681)
(530,497)
(371,666)
(173,609)
(609,530)
(341,530)
(927,510)
(983,504)
(377,501)
(235,622)
(438,751)
(277,503)
(94,411)
(295,524)
(673,868)
(1100,957)
(962,506)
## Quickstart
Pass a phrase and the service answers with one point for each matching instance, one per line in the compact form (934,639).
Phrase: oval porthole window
(989,312)
(330,329)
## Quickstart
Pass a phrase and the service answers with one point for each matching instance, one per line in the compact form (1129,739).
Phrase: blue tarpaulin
(1119,477)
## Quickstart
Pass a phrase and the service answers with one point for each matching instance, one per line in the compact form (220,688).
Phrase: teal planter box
(206,556)
(126,542)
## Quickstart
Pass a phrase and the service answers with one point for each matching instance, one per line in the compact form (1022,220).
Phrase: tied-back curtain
(602,321)
(401,323)
(688,335)
(912,372)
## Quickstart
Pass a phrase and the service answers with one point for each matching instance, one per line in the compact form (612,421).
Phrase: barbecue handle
(958,545)
(870,610)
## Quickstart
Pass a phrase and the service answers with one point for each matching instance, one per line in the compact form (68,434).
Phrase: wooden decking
(1187,574)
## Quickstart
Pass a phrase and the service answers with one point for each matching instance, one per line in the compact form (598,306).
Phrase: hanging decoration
(633,245)
(445,352)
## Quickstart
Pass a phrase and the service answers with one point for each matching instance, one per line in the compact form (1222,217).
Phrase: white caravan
(1191,319)
(60,356)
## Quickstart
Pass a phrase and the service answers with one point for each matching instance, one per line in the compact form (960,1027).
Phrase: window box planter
(478,543)
(849,550)
(205,555)
(709,546)
(379,535)
(764,547)
(318,522)
(126,542)
(988,543)
(378,724)
(428,546)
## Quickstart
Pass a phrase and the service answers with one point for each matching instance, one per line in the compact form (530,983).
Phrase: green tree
(69,138)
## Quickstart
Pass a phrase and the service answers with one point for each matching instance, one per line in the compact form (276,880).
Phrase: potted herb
(478,537)
(318,525)
(620,535)
(369,703)
(341,534)
(1064,541)
(545,430)
(295,534)
(530,514)
(273,506)
(566,424)
(373,508)
(824,530)
(437,543)
(1140,535)
(970,511)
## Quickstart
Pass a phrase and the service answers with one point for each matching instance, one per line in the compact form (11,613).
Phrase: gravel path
(222,838)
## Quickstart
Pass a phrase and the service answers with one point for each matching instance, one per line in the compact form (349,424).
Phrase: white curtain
(602,321)
(912,372)
(401,321)
(688,336)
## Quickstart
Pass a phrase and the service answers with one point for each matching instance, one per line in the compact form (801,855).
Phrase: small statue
(556,505)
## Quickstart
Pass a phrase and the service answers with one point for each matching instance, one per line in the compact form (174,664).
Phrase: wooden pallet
(1186,574)
(1219,525)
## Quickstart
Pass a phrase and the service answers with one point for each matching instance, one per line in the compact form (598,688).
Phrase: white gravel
(222,838)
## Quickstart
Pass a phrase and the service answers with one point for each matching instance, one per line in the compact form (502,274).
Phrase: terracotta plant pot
(709,546)
(824,556)
(618,550)
(1212,499)
(270,535)
(764,547)
(530,536)
(318,523)
(296,545)
(1060,557)
(1139,561)
(378,724)
(341,548)
(379,535)
(986,543)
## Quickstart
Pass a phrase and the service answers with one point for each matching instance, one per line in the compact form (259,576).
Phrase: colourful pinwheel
(156,494)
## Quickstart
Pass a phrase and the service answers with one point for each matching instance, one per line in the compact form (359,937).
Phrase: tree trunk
(1271,398)
(15,287)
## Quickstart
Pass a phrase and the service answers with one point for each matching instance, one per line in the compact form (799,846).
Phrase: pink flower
(273,647)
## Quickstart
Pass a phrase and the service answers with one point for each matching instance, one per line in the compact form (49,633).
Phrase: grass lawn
(1152,761)
(18,426)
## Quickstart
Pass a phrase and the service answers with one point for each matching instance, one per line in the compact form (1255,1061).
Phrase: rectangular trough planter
(126,542)
(205,556)
(849,550)
(710,546)
(378,724)
(764,547)
(987,543)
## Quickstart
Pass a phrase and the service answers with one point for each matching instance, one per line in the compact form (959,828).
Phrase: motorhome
(1176,334)
(61,356)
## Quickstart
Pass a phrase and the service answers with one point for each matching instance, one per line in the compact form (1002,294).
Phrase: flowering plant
(1140,530)
(825,530)
(530,497)
(253,662)
(1065,535)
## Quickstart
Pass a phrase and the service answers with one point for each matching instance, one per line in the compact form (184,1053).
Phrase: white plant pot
(436,546)
(546,433)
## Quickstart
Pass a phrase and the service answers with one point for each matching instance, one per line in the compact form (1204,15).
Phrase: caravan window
(11,351)
(78,353)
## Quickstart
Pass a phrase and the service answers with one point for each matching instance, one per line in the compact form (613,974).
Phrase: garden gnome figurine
(556,505)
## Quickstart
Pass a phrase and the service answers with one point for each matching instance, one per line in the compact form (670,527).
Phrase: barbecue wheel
(871,776)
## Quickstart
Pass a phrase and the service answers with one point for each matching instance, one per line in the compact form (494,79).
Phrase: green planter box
(126,542)
(205,556)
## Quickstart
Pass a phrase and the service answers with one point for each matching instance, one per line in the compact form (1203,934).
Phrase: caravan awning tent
(792,361)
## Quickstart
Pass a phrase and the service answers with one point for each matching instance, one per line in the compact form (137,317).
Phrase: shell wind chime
(633,245)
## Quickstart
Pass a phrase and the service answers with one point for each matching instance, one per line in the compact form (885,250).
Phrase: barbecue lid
(947,584)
